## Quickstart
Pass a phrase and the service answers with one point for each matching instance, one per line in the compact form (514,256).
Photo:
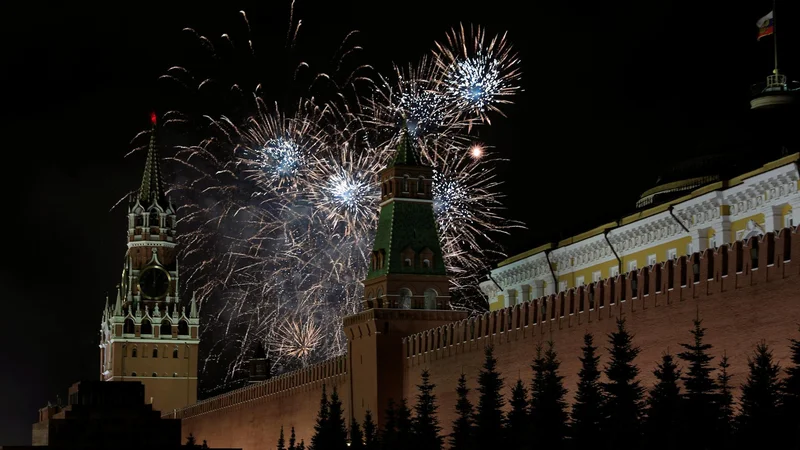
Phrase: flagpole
(775,35)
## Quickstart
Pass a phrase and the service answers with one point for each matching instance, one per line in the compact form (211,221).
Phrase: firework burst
(478,73)
(280,204)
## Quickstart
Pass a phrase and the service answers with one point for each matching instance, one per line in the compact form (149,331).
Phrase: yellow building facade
(717,212)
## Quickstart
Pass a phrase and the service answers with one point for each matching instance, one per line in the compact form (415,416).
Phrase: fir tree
(517,425)
(462,435)
(405,430)
(356,437)
(548,407)
(281,442)
(759,416)
(790,403)
(663,406)
(370,433)
(489,414)
(302,445)
(292,441)
(191,442)
(321,429)
(337,439)
(205,444)
(587,411)
(389,432)
(426,424)
(701,412)
(725,401)
(623,406)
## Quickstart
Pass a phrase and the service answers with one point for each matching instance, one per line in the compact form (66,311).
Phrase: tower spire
(152,189)
(406,153)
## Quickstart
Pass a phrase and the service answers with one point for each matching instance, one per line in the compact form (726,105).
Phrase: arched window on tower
(154,219)
(404,187)
(155,352)
(147,327)
(183,328)
(155,374)
(175,353)
(405,298)
(138,220)
(430,299)
(166,328)
(128,327)
(134,353)
(421,185)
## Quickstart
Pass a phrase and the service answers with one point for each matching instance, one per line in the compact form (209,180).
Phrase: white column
(526,293)
(773,218)
(538,288)
(722,230)
(795,203)
(700,239)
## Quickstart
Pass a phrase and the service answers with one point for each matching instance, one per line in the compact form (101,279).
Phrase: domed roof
(692,174)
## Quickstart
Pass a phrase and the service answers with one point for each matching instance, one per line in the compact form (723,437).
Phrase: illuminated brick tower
(407,287)
(150,334)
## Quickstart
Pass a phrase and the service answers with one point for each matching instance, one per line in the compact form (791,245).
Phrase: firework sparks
(479,73)
(281,207)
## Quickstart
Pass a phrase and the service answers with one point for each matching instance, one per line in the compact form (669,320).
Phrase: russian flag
(766,26)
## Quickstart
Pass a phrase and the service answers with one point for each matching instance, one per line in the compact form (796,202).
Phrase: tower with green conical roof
(406,268)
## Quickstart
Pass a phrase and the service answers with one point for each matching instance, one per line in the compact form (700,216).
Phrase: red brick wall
(738,310)
(250,418)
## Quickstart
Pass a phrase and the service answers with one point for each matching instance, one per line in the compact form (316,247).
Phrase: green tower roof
(407,153)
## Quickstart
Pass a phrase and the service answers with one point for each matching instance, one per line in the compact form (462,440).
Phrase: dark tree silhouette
(790,408)
(301,445)
(587,411)
(336,424)
(425,423)
(370,433)
(725,401)
(623,406)
(664,407)
(191,442)
(356,436)
(321,429)
(292,441)
(281,442)
(548,407)
(701,414)
(759,416)
(489,415)
(405,429)
(389,432)
(463,433)
(517,424)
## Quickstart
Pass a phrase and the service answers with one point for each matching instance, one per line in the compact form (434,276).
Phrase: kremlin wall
(743,283)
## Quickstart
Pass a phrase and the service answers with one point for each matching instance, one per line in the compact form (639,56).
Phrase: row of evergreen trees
(690,406)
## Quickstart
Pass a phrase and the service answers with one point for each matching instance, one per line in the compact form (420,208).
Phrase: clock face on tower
(154,282)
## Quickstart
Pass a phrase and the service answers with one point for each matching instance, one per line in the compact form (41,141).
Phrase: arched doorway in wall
(430,299)
(405,298)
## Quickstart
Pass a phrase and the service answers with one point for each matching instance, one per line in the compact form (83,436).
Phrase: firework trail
(280,204)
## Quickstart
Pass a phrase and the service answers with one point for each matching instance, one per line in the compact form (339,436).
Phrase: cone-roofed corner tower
(151,334)
(406,268)
(406,289)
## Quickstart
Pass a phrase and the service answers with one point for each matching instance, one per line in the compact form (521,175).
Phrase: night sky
(615,93)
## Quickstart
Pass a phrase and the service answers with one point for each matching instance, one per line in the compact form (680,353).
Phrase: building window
(134,352)
(166,328)
(788,220)
(175,352)
(129,327)
(133,374)
(562,286)
(155,352)
(147,327)
(405,184)
(430,299)
(421,186)
(408,262)
(712,242)
(632,266)
(651,260)
(672,254)
(154,220)
(426,263)
(155,374)
(183,328)
(613,271)
(579,281)
(596,276)
(175,375)
(405,298)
